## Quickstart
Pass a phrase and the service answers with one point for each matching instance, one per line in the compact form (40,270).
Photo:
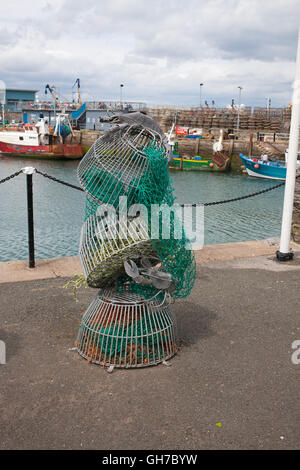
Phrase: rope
(11,176)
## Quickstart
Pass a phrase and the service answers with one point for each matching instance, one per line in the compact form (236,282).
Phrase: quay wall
(260,119)
(204,147)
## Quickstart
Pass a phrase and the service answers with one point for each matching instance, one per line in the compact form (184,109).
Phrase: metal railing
(19,106)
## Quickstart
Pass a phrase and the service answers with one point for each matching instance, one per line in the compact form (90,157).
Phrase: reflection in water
(249,219)
(59,210)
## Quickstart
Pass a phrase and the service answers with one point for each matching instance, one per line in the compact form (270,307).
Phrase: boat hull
(263,170)
(56,151)
(197,165)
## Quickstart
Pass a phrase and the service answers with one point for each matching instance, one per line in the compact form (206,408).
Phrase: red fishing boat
(40,141)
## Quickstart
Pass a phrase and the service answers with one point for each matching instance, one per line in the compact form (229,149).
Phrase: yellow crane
(55,93)
(51,91)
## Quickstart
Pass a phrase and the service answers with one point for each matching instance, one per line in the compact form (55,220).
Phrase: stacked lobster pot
(130,322)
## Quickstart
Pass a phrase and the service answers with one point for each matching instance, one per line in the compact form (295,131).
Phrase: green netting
(175,253)
(91,207)
(104,186)
(125,284)
(154,188)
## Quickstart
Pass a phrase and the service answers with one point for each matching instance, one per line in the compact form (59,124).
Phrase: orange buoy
(211,165)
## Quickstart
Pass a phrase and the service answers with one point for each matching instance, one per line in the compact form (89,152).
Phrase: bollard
(29,172)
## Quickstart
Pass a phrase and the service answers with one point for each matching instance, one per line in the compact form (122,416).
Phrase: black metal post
(30,221)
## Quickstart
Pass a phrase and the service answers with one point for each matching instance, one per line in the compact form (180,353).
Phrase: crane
(55,93)
(51,91)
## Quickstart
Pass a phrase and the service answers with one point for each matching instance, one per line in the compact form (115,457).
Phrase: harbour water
(59,210)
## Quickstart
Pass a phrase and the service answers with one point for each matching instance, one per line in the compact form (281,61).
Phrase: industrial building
(88,116)
(16,99)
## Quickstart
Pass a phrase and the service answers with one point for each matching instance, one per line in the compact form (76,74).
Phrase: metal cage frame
(115,164)
(124,330)
(106,242)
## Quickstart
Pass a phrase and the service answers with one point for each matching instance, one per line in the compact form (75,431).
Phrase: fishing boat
(197,163)
(264,168)
(218,162)
(39,140)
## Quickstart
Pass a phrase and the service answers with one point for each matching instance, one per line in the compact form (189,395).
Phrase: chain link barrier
(11,176)
(183,205)
(59,181)
(214,203)
(240,198)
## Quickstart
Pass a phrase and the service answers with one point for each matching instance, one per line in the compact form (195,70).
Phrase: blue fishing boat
(264,168)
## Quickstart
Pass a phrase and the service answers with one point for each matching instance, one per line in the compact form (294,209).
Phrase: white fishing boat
(39,140)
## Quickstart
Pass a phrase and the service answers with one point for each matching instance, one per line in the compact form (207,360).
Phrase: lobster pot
(91,207)
(123,330)
(115,164)
(106,242)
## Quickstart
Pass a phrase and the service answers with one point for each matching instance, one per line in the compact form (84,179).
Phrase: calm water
(59,210)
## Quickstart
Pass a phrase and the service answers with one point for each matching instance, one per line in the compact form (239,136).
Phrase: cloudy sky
(161,50)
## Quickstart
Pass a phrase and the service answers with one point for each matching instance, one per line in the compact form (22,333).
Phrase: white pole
(121,97)
(284,251)
(201,85)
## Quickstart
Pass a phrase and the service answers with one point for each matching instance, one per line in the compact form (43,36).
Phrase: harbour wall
(204,147)
(84,137)
(257,119)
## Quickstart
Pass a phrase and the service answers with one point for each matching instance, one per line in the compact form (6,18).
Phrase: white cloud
(160,50)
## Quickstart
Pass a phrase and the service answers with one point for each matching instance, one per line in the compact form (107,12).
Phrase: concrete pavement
(232,385)
(14,271)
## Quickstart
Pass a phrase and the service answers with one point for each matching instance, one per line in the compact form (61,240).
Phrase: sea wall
(84,137)
(204,147)
(262,119)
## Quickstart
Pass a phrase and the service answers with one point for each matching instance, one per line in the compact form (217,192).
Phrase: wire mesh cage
(106,242)
(130,323)
(124,330)
(91,207)
(115,164)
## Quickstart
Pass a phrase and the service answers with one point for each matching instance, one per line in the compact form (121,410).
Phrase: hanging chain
(214,203)
(11,176)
